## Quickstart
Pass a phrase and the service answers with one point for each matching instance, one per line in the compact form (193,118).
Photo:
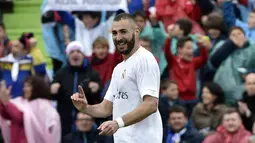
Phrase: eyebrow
(119,30)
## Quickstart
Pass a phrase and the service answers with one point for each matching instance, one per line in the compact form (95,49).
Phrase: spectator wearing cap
(18,65)
(38,58)
(5,43)
(231,130)
(78,71)
(207,114)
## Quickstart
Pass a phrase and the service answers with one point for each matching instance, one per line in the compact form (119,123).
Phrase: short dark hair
(177,109)
(182,41)
(140,13)
(165,83)
(40,89)
(236,28)
(252,11)
(124,16)
(217,91)
(2,26)
(214,21)
(184,25)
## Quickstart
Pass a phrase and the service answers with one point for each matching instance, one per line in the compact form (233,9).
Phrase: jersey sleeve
(148,77)
(110,92)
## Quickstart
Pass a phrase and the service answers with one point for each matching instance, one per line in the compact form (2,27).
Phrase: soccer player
(132,96)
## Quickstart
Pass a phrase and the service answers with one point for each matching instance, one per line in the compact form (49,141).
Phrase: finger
(82,94)
(100,127)
(105,131)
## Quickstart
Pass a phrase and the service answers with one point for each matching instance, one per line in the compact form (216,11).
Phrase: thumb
(82,94)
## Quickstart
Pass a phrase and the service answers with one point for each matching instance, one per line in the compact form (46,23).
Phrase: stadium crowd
(205,50)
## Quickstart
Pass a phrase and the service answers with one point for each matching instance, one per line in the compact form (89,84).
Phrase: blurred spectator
(146,43)
(39,61)
(155,32)
(168,98)
(217,33)
(182,68)
(236,52)
(87,28)
(231,20)
(5,44)
(246,104)
(231,130)
(177,130)
(54,38)
(181,28)
(169,11)
(85,132)
(102,61)
(207,114)
(18,65)
(33,117)
(77,72)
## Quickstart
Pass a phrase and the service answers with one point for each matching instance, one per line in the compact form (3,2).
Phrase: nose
(118,36)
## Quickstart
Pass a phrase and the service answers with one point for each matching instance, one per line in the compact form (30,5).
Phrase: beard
(130,45)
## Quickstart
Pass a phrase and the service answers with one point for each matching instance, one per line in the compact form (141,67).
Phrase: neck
(136,47)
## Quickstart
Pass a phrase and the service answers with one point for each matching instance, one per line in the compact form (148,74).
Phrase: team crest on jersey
(123,74)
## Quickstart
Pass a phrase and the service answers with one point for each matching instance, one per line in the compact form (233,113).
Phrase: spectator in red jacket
(231,130)
(102,61)
(182,67)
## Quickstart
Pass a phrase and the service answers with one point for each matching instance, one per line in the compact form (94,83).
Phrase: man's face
(88,21)
(123,34)
(231,122)
(251,20)
(101,51)
(84,122)
(140,21)
(177,121)
(146,45)
(75,58)
(2,33)
(186,52)
(171,92)
(238,34)
(17,48)
(250,84)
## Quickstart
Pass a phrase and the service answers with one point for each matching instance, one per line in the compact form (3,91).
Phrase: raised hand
(79,100)
(5,93)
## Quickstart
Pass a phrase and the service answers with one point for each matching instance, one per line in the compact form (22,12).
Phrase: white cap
(74,45)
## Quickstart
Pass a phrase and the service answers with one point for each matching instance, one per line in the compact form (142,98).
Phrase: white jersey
(131,80)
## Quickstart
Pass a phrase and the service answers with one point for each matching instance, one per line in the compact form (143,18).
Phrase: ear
(137,31)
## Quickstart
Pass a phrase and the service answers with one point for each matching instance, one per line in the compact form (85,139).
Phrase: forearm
(98,110)
(140,113)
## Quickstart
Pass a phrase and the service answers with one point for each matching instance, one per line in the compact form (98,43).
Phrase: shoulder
(199,107)
(145,58)
(212,138)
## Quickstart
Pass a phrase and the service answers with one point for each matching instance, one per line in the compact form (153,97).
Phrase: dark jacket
(69,78)
(78,137)
(164,106)
(190,136)
(248,121)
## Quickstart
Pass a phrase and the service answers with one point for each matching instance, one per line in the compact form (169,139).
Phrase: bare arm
(102,110)
(148,107)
